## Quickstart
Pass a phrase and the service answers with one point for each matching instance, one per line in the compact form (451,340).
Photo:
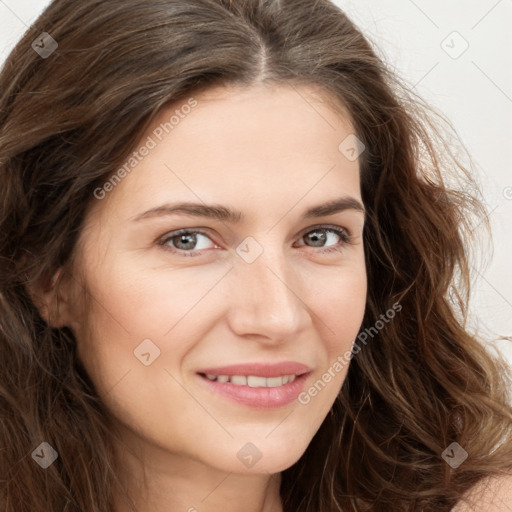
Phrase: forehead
(230,144)
(228,111)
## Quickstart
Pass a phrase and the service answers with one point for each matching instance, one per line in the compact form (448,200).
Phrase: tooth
(257,382)
(239,380)
(273,382)
(253,381)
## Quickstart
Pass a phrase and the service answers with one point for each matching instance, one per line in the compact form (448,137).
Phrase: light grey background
(423,41)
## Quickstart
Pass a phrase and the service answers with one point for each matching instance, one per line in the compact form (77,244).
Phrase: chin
(268,458)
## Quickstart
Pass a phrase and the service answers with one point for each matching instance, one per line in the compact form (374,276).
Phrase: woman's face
(252,299)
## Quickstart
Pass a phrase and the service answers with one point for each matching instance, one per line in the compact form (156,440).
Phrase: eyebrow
(223,213)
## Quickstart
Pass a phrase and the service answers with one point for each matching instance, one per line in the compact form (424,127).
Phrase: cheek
(340,310)
(137,316)
(134,368)
(341,306)
(147,300)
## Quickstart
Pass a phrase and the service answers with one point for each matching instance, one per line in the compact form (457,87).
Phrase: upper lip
(259,369)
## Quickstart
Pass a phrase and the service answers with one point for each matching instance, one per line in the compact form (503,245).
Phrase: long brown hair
(68,120)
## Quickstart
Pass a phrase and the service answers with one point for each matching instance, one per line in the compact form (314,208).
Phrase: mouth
(260,386)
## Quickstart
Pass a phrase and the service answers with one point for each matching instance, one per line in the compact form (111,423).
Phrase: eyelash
(346,239)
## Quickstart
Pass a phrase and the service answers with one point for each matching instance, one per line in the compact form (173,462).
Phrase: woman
(228,274)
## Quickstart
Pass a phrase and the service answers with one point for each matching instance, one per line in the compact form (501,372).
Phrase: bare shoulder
(490,494)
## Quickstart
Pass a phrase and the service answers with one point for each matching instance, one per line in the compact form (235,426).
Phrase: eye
(323,234)
(184,240)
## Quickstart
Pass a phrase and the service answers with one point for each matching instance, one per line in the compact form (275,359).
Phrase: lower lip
(259,398)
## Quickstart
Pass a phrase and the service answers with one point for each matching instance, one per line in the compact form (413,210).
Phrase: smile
(257,385)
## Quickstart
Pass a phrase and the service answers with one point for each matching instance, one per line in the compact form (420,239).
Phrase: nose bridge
(266,299)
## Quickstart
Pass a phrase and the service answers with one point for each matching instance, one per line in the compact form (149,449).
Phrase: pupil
(183,239)
(318,237)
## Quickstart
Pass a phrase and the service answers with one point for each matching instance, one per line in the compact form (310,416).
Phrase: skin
(270,153)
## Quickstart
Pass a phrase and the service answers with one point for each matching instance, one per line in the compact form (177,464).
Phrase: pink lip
(261,397)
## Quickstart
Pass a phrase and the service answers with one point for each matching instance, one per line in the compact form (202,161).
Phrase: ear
(52,297)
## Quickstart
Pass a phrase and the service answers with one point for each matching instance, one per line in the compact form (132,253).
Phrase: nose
(267,299)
